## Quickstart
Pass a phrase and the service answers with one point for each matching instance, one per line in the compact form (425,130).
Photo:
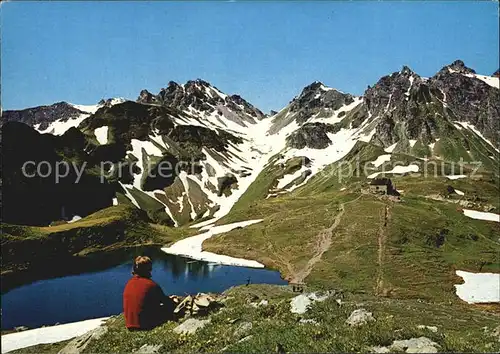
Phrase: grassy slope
(415,261)
(110,228)
(273,324)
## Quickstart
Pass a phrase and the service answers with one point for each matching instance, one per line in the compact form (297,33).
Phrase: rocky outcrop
(146,97)
(79,344)
(301,303)
(190,326)
(317,97)
(406,108)
(225,184)
(458,66)
(311,135)
(359,317)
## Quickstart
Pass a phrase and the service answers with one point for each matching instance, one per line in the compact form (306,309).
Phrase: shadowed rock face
(312,135)
(225,183)
(37,200)
(43,115)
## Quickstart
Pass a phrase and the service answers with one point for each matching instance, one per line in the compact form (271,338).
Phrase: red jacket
(142,303)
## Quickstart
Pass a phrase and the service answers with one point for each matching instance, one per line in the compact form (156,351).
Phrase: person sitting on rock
(145,306)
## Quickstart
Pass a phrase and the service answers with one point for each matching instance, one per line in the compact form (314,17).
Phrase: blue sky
(267,52)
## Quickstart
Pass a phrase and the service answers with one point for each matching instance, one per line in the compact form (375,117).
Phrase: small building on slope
(383,186)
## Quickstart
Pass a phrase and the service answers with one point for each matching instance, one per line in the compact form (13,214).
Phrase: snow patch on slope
(59,127)
(183,176)
(474,214)
(490,80)
(398,170)
(390,148)
(471,127)
(288,178)
(191,247)
(381,159)
(52,334)
(138,147)
(453,177)
(334,118)
(101,134)
(478,287)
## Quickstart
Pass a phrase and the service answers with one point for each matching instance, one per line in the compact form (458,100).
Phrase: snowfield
(59,127)
(452,177)
(86,108)
(191,247)
(47,335)
(101,134)
(490,80)
(480,215)
(478,287)
(398,170)
(381,159)
(390,148)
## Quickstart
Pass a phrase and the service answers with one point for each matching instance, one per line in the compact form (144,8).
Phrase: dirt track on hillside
(382,236)
(323,243)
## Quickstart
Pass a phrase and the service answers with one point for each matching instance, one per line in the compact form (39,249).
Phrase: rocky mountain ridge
(224,142)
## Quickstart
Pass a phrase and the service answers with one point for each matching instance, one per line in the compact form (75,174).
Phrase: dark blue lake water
(99,293)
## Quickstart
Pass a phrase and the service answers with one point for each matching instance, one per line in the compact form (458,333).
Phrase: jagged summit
(391,91)
(458,66)
(407,71)
(199,97)
(146,97)
(315,102)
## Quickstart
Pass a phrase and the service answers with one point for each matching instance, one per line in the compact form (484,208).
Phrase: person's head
(143,266)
